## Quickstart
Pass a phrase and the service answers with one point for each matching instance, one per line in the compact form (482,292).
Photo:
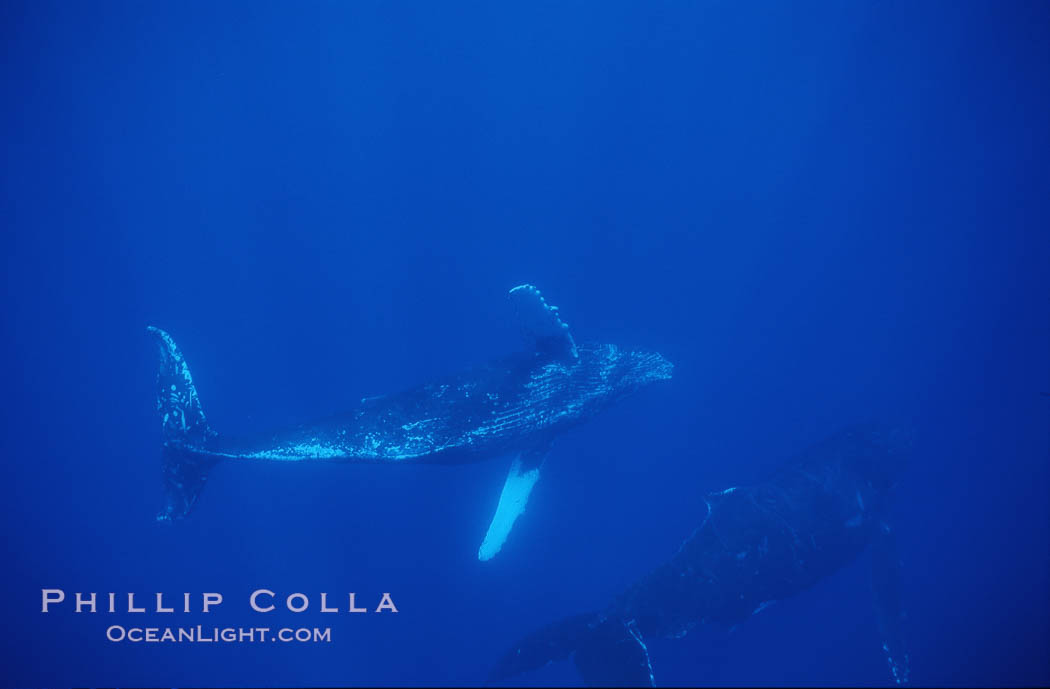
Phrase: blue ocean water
(822,213)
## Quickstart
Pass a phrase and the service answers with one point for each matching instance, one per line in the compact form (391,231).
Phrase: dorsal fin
(613,654)
(541,325)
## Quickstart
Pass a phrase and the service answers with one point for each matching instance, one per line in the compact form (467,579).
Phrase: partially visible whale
(513,407)
(757,545)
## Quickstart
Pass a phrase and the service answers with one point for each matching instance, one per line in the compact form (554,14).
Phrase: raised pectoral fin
(889,607)
(541,325)
(523,474)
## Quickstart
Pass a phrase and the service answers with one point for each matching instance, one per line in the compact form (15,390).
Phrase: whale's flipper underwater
(512,407)
(757,545)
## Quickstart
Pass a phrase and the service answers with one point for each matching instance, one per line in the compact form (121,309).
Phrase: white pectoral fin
(887,585)
(512,501)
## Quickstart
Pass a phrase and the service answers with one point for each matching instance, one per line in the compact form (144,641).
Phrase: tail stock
(185,462)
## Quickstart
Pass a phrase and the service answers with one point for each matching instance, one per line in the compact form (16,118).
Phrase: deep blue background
(822,213)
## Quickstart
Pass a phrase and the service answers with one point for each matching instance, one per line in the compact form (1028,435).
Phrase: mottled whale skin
(513,406)
(757,545)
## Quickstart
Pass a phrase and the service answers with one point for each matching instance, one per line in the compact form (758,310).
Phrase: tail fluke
(609,652)
(182,418)
(185,431)
(185,474)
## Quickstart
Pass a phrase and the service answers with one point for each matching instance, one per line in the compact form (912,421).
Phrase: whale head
(617,371)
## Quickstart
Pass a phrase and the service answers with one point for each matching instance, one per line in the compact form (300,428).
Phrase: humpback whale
(512,407)
(756,545)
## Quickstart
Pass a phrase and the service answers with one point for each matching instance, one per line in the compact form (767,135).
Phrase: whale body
(512,407)
(757,544)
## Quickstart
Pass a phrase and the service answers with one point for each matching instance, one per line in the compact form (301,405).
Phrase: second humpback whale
(512,407)
(757,545)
